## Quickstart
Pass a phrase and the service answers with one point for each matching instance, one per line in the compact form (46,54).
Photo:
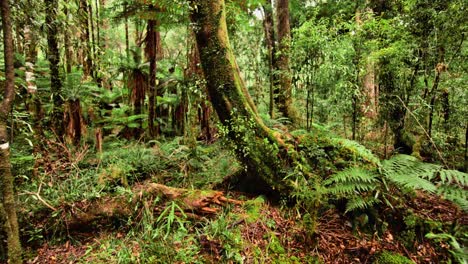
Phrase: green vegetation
(215,131)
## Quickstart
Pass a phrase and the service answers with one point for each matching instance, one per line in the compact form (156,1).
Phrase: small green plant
(169,217)
(458,251)
(387,257)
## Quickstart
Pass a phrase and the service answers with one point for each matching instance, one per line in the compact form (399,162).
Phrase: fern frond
(352,175)
(360,203)
(405,164)
(454,177)
(346,189)
(455,194)
(358,150)
(351,181)
(409,172)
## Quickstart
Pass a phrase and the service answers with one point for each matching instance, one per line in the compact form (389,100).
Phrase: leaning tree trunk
(261,150)
(54,60)
(7,198)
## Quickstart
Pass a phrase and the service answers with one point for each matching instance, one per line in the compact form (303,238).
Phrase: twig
(38,196)
(40,199)
(425,132)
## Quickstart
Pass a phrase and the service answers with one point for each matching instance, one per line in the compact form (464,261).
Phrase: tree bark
(87,61)
(8,208)
(268,26)
(54,60)
(284,89)
(152,42)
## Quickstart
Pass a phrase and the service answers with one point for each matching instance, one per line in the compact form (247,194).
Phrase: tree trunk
(67,44)
(284,90)
(127,38)
(268,26)
(8,207)
(87,61)
(254,142)
(152,42)
(466,147)
(93,50)
(54,60)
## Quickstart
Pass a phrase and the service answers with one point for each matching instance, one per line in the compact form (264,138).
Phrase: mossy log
(86,214)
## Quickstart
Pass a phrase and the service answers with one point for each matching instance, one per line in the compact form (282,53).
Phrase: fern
(352,175)
(358,150)
(360,185)
(356,184)
(454,177)
(409,165)
(406,171)
(361,203)
(454,194)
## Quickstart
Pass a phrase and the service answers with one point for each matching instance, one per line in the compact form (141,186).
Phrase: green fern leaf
(409,172)
(360,203)
(454,177)
(455,194)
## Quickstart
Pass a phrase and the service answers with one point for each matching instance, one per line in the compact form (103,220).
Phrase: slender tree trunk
(93,48)
(268,26)
(284,90)
(85,39)
(433,101)
(67,44)
(127,37)
(54,60)
(466,147)
(8,207)
(151,40)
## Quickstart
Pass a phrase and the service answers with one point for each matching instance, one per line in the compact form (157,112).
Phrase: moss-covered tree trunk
(8,208)
(263,152)
(53,55)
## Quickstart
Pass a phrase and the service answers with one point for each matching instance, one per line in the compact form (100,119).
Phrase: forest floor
(272,236)
(250,230)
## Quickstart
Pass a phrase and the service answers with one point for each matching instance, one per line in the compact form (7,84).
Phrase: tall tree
(85,51)
(284,89)
(53,56)
(263,152)
(268,26)
(7,205)
(151,45)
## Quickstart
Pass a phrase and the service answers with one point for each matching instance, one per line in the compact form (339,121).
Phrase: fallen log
(88,214)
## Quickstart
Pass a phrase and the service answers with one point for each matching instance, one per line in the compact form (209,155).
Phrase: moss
(387,257)
(253,208)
